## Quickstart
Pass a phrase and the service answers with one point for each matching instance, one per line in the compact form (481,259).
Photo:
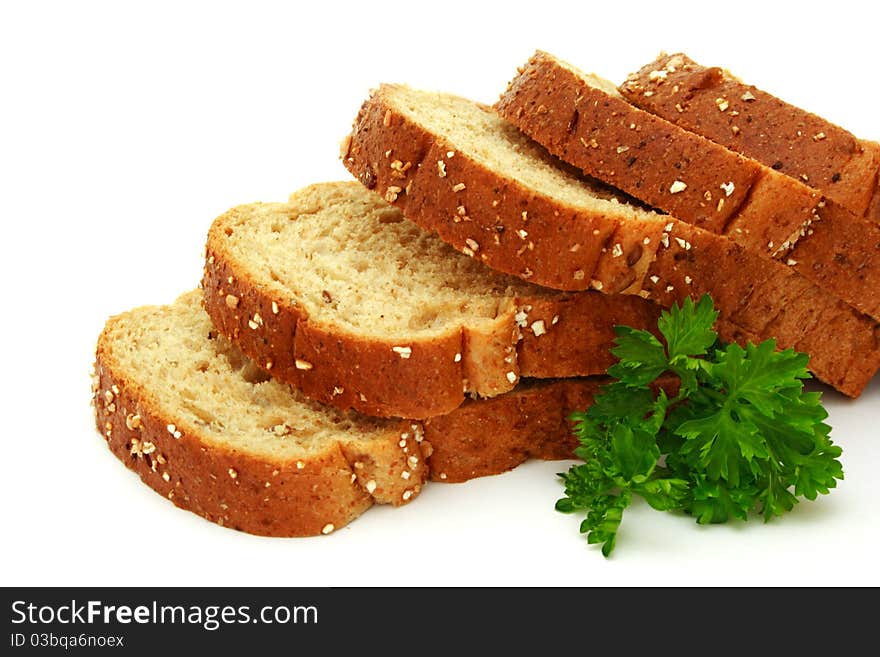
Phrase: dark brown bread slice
(455,168)
(340,296)
(584,120)
(715,104)
(201,425)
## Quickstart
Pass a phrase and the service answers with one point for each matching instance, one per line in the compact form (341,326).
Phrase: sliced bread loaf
(582,119)
(715,104)
(456,168)
(337,294)
(203,426)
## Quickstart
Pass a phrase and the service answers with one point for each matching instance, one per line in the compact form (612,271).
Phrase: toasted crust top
(716,104)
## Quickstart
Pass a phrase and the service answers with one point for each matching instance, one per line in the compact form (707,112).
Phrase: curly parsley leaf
(688,328)
(740,436)
(641,356)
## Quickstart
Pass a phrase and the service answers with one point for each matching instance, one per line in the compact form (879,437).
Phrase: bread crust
(531,337)
(873,211)
(657,257)
(793,141)
(490,436)
(696,180)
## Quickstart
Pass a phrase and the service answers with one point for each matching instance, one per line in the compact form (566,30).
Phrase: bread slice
(340,296)
(203,426)
(583,119)
(183,408)
(456,168)
(753,122)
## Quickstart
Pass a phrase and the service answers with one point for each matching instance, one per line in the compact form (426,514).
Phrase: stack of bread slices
(442,317)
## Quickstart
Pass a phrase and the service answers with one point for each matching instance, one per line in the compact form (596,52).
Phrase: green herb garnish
(740,436)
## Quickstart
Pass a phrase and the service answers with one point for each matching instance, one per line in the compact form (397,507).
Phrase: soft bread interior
(348,259)
(188,372)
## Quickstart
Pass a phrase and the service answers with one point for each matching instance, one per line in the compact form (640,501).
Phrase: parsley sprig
(739,437)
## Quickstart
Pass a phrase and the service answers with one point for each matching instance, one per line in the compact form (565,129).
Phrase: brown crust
(769,302)
(578,328)
(665,269)
(572,337)
(758,125)
(243,491)
(494,435)
(873,211)
(689,176)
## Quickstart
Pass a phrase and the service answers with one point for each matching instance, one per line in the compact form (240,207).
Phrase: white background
(126,128)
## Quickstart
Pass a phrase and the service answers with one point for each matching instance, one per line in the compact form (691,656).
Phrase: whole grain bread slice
(585,121)
(203,426)
(458,169)
(712,102)
(337,294)
(182,407)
